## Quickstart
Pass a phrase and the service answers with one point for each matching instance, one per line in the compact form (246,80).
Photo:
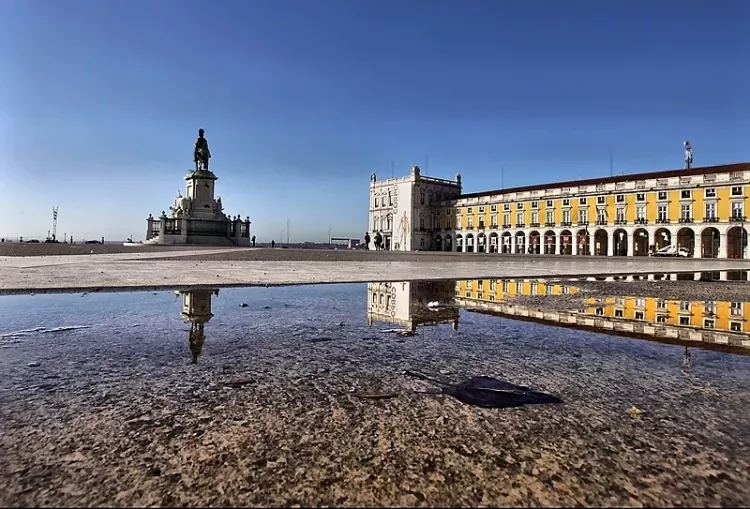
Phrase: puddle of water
(274,381)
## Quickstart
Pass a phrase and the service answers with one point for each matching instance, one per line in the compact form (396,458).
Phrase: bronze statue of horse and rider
(201,155)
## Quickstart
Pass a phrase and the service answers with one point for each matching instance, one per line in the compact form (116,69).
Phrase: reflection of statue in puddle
(196,308)
(412,304)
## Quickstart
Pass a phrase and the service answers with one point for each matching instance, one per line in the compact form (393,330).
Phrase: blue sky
(301,100)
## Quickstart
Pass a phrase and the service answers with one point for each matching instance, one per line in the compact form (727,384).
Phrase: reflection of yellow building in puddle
(706,322)
(196,309)
(411,304)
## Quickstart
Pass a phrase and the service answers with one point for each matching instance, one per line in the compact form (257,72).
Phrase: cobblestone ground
(115,414)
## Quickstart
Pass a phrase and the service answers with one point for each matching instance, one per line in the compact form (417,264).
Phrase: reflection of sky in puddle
(319,313)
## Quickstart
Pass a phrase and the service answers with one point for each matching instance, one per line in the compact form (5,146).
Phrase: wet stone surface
(272,413)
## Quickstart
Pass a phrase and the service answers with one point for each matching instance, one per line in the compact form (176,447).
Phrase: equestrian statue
(201,155)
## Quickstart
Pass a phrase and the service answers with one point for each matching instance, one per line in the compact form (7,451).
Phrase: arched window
(375,224)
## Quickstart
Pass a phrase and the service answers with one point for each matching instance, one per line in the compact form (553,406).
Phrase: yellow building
(716,322)
(701,209)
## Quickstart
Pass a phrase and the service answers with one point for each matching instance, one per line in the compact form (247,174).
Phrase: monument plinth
(198,217)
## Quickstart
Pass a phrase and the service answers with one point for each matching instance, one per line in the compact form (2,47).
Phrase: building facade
(710,324)
(401,209)
(702,210)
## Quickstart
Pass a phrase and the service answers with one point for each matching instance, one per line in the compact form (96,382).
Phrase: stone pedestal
(200,190)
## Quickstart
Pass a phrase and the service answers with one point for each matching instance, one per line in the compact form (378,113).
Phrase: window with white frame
(684,306)
(582,201)
(709,307)
(661,195)
(710,211)
(550,217)
(737,210)
(737,191)
(506,219)
(601,200)
(549,203)
(640,197)
(534,204)
(470,221)
(481,210)
(661,214)
(685,194)
(709,323)
(620,214)
(620,198)
(583,215)
(601,215)
(640,213)
(710,192)
(519,206)
(735,309)
(685,211)
(506,286)
(493,220)
(493,208)
(519,218)
(684,320)
(566,216)
(566,202)
(535,217)
(506,206)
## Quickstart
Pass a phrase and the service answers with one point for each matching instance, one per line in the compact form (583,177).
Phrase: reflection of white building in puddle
(196,309)
(412,304)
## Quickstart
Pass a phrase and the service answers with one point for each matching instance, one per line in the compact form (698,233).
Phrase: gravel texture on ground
(116,416)
(41,249)
(668,290)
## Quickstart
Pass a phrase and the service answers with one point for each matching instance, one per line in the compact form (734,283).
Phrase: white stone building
(401,209)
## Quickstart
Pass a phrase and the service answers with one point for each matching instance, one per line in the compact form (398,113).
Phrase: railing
(737,219)
(520,225)
(493,226)
(200,227)
(735,175)
(711,219)
(506,226)
(662,220)
(534,225)
(686,220)
(173,226)
(549,225)
(621,221)
(155,228)
(566,223)
(583,223)
(641,220)
(601,222)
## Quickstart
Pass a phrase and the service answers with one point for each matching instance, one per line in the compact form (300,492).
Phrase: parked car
(672,251)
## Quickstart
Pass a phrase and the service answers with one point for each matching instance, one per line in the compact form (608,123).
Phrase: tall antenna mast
(54,222)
